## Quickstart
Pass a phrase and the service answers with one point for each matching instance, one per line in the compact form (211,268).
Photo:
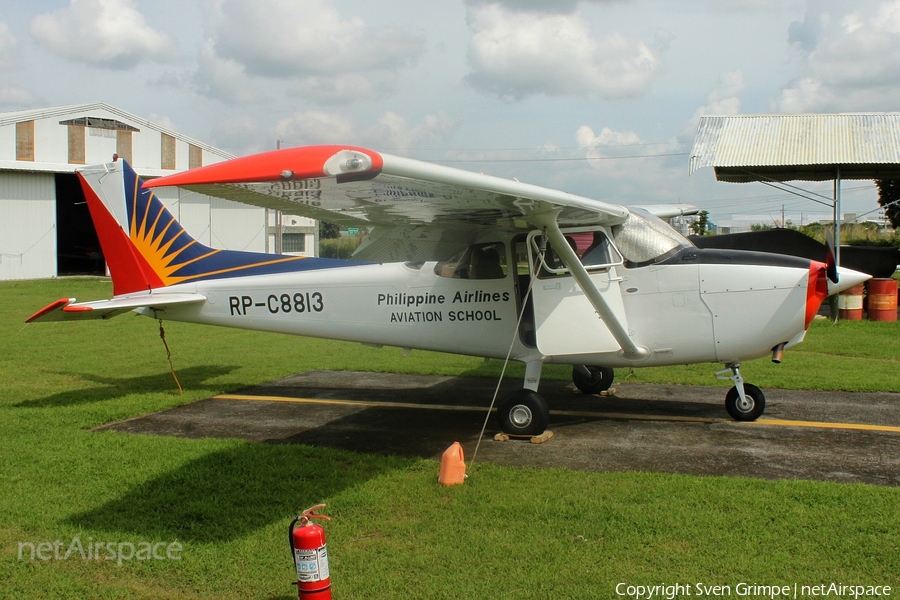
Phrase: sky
(599,98)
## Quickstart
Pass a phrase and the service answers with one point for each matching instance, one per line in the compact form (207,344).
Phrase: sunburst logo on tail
(176,257)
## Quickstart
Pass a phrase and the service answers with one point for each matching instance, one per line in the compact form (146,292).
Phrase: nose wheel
(745,401)
(748,408)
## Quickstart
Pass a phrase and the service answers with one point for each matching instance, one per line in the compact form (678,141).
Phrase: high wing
(418,210)
(667,211)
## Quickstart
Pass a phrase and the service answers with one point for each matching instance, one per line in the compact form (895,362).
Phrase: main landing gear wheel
(600,380)
(524,413)
(751,408)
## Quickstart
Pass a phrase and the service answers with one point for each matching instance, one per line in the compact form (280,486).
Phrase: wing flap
(66,309)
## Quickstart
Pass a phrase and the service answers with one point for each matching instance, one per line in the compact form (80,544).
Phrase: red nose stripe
(816,289)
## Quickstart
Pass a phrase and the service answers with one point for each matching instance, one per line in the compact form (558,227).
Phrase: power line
(576,159)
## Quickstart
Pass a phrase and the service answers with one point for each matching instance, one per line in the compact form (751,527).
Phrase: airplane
(458,262)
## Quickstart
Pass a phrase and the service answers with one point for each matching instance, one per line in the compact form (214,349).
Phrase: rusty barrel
(850,303)
(882,299)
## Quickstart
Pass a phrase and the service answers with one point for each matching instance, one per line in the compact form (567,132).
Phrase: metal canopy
(816,147)
(748,148)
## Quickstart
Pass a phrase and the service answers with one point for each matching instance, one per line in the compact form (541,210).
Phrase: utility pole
(278,247)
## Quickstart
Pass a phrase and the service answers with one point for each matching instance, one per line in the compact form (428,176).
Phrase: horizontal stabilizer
(66,309)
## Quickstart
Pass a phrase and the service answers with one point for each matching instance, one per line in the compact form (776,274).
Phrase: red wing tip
(61,303)
(287,164)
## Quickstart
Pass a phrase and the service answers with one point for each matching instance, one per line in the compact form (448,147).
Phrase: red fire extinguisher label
(312,565)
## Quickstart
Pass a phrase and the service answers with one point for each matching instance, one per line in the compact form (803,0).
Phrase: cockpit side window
(644,239)
(478,261)
(592,247)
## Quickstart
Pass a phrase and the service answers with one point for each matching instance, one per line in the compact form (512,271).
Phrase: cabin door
(565,321)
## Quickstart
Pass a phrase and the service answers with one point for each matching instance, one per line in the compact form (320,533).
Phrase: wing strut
(630,350)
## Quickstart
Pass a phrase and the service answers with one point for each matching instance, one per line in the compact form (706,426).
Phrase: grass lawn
(506,533)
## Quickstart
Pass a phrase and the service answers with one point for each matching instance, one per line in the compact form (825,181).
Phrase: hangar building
(45,226)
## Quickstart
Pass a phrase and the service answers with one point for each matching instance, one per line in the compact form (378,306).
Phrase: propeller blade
(830,262)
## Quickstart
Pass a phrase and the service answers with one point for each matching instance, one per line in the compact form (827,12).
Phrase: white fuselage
(682,313)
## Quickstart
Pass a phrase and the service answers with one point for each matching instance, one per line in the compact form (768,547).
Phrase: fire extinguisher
(310,555)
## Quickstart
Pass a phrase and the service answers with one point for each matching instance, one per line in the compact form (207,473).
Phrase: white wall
(216,222)
(237,226)
(28,225)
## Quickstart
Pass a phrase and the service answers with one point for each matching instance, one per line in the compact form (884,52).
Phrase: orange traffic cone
(453,466)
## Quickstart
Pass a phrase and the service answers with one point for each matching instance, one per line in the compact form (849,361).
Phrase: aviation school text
(404,300)
(751,590)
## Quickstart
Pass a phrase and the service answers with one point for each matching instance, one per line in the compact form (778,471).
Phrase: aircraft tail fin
(146,248)
(112,194)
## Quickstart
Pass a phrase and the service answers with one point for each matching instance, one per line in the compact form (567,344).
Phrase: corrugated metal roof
(785,147)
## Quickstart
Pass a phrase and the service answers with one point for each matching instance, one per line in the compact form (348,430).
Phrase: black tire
(756,403)
(524,413)
(600,380)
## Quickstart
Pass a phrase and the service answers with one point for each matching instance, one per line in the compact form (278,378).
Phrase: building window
(124,145)
(168,152)
(76,145)
(195,156)
(25,140)
(293,242)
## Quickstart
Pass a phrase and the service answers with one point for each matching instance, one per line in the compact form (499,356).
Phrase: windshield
(644,239)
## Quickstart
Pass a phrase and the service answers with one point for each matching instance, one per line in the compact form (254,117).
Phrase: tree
(888,193)
(702,225)
(329,230)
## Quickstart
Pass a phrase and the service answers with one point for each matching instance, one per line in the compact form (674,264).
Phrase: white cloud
(631,167)
(15,97)
(106,33)
(597,147)
(7,47)
(392,131)
(10,96)
(723,99)
(344,88)
(518,54)
(331,58)
(222,78)
(849,57)
(545,6)
(241,136)
(163,121)
(316,127)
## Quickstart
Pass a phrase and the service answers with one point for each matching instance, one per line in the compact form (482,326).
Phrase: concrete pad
(837,436)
